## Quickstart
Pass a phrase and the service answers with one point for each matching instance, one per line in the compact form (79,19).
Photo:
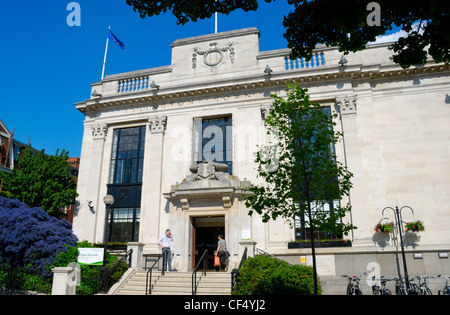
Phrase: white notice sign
(90,256)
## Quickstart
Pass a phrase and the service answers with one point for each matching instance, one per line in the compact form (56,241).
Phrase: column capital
(99,131)
(347,104)
(157,124)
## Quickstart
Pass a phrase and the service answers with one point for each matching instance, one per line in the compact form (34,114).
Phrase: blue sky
(47,66)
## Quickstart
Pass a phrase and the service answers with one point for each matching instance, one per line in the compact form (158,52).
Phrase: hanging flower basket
(385,228)
(416,226)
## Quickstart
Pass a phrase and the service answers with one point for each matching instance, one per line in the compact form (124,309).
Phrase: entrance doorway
(205,233)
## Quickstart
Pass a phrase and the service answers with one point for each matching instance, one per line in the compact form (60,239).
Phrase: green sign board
(90,256)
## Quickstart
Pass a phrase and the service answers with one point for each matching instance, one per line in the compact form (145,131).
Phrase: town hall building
(175,146)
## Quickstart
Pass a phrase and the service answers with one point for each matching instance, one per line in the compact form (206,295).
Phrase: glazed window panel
(213,141)
(123,225)
(127,158)
(302,226)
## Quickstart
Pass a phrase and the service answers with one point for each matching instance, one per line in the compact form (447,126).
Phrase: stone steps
(177,283)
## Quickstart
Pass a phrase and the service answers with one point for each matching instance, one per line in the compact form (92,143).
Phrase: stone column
(137,258)
(64,281)
(152,182)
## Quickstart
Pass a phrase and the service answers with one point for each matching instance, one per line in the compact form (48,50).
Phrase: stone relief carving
(347,104)
(214,55)
(99,131)
(208,171)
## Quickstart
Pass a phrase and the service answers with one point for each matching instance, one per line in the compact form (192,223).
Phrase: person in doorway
(222,252)
(164,241)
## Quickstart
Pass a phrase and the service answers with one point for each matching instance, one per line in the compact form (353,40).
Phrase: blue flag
(116,40)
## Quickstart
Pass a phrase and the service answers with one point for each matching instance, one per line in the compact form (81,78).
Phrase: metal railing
(204,260)
(260,252)
(235,271)
(108,275)
(148,281)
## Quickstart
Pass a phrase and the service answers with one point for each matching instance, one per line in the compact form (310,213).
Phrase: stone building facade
(175,147)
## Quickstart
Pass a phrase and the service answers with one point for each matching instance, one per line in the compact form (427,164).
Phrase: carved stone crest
(213,56)
(208,171)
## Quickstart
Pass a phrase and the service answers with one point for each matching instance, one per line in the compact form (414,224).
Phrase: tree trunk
(313,247)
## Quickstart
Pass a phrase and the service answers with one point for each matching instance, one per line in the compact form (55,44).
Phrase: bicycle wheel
(427,291)
(413,289)
(358,291)
(349,290)
(387,292)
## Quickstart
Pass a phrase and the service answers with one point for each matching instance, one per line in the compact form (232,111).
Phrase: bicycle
(400,288)
(446,290)
(422,287)
(353,287)
(377,290)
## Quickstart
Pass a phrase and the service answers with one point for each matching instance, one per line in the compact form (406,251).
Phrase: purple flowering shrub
(30,238)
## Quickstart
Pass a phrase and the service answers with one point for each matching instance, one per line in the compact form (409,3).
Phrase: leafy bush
(30,238)
(265,275)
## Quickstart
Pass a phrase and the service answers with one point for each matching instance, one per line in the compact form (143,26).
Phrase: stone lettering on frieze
(212,100)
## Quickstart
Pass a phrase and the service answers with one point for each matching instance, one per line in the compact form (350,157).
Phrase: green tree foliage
(265,275)
(329,22)
(42,181)
(299,167)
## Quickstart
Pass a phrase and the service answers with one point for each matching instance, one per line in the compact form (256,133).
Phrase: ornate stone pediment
(208,181)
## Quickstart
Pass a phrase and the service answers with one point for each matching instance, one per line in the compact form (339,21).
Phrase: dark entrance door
(206,231)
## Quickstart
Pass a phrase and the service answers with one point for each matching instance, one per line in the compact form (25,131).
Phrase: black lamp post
(399,223)
(109,201)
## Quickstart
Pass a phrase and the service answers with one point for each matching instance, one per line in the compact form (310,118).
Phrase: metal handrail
(107,273)
(260,252)
(235,271)
(148,288)
(203,259)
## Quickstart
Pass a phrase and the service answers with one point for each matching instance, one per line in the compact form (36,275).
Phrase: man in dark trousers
(164,241)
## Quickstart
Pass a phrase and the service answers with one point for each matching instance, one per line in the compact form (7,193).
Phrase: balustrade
(134,84)
(317,60)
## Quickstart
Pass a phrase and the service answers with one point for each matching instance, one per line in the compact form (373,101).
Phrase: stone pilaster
(89,184)
(152,182)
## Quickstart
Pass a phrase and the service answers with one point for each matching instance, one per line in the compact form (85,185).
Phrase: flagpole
(106,53)
(216,20)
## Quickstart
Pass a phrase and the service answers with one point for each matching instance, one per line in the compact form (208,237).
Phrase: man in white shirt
(164,241)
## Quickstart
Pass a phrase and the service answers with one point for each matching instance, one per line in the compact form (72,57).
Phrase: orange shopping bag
(216,261)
